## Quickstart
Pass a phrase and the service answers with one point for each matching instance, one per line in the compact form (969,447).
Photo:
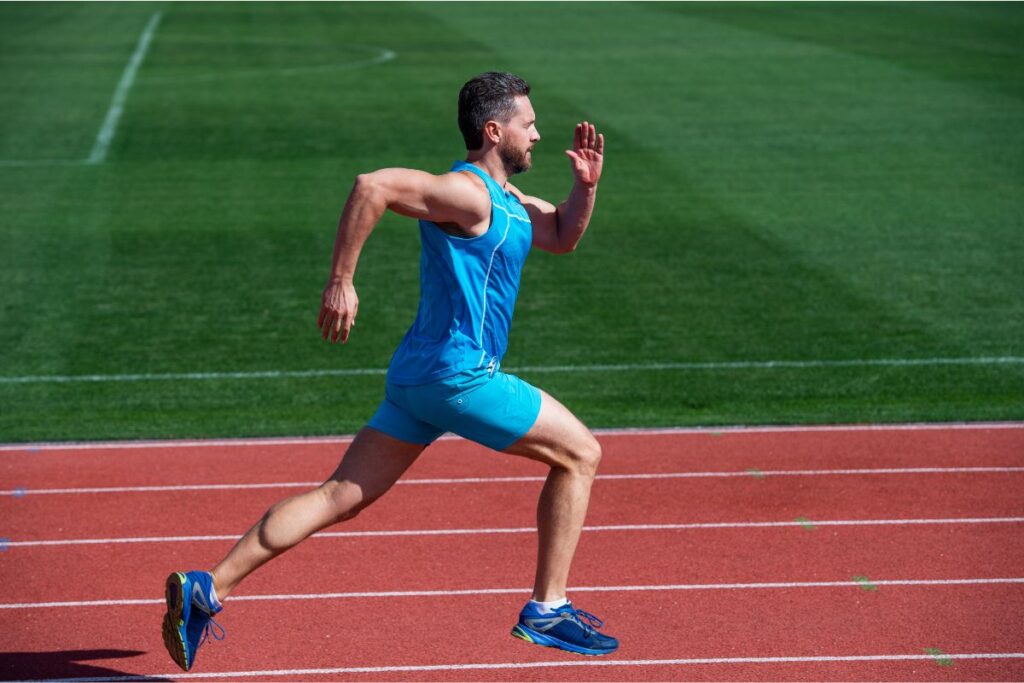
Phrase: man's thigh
(557,437)
(374,461)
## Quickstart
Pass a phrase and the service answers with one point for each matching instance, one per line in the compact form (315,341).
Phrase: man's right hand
(338,307)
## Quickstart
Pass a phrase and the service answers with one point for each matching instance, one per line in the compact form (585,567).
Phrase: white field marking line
(624,367)
(589,661)
(629,432)
(524,590)
(109,127)
(507,480)
(43,162)
(527,530)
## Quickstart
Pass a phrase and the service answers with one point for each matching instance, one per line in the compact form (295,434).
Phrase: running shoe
(189,619)
(567,628)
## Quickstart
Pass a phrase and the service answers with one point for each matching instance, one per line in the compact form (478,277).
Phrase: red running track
(814,600)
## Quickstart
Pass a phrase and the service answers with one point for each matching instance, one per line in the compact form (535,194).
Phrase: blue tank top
(468,288)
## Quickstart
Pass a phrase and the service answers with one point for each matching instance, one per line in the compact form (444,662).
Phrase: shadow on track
(66,665)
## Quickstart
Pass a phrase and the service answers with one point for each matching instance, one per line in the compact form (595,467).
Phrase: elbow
(568,248)
(367,188)
(364,184)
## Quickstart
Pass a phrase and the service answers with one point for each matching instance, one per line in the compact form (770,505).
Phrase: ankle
(220,590)
(547,606)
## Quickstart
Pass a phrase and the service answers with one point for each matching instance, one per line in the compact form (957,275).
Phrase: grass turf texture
(782,182)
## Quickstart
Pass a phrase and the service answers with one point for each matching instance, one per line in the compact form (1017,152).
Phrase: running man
(476,229)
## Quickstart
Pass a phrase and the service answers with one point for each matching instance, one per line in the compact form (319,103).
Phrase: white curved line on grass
(382,56)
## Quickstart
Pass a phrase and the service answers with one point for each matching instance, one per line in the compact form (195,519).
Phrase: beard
(515,160)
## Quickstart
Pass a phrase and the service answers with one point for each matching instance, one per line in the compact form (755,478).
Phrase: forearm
(574,215)
(363,210)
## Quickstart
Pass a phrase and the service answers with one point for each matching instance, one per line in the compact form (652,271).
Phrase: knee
(586,456)
(345,499)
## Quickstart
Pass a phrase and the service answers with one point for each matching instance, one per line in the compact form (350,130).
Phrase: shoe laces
(588,621)
(211,628)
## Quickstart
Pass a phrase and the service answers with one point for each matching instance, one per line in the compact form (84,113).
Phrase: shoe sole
(530,636)
(173,641)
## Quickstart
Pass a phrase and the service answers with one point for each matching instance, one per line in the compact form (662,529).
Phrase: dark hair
(488,97)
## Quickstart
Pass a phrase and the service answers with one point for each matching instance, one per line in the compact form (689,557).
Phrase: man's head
(494,108)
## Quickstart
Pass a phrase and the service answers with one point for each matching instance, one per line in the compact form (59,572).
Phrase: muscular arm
(449,198)
(559,229)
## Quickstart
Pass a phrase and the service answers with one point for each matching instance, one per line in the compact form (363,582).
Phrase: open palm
(587,154)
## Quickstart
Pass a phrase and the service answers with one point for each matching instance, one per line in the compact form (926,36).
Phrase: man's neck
(490,162)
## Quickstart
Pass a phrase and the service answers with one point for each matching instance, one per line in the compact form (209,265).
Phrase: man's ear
(492,132)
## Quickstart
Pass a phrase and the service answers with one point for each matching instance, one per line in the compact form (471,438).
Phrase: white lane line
(627,432)
(181,443)
(109,127)
(526,530)
(589,661)
(524,590)
(614,367)
(510,480)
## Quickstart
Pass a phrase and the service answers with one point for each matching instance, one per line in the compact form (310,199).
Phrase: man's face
(518,137)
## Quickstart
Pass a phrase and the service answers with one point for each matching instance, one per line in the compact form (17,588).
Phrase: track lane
(705,556)
(689,625)
(386,563)
(617,501)
(624,452)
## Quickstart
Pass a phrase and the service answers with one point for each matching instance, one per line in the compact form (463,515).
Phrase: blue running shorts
(494,409)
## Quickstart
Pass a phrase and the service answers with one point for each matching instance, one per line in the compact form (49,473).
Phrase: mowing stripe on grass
(522,530)
(109,127)
(590,661)
(524,590)
(761,474)
(624,367)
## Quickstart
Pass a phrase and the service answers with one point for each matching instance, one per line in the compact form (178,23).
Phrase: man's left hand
(587,154)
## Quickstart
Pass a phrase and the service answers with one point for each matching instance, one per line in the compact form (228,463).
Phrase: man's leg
(558,439)
(373,463)
(562,442)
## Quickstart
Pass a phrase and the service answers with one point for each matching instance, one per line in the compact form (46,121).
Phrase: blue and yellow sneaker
(567,628)
(189,619)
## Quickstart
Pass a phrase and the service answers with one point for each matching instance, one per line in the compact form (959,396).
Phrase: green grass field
(782,183)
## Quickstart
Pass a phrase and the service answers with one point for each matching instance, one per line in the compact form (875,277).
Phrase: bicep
(544,217)
(442,199)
